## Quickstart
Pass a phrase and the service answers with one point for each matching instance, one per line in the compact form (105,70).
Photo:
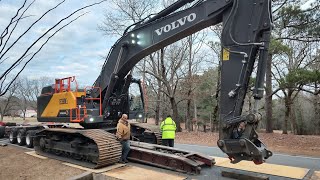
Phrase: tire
(13,136)
(29,138)
(21,137)
(2,131)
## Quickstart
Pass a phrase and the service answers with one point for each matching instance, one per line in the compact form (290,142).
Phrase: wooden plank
(100,170)
(137,173)
(83,176)
(33,153)
(243,176)
(265,168)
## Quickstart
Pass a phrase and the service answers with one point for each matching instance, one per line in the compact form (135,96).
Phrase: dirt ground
(29,167)
(276,142)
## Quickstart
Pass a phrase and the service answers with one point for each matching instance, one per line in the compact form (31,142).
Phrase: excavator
(245,41)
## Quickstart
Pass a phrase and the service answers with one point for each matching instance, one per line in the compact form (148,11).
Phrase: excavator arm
(244,40)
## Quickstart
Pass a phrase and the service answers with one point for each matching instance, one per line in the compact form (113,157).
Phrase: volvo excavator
(245,40)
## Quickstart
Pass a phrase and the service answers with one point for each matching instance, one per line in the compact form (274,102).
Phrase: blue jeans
(125,149)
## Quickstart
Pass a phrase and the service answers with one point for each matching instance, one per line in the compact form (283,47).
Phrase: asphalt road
(311,163)
(281,159)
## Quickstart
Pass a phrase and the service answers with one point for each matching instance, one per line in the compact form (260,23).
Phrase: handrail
(59,84)
(78,117)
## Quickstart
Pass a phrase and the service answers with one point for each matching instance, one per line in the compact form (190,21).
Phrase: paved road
(311,163)
(281,159)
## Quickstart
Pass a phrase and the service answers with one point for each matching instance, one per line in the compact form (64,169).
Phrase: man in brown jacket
(123,135)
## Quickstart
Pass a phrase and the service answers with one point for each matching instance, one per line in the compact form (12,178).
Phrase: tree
(171,75)
(126,12)
(293,25)
(276,49)
(9,102)
(195,43)
(28,90)
(8,41)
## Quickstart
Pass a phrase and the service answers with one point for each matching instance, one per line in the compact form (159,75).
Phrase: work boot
(121,161)
(126,161)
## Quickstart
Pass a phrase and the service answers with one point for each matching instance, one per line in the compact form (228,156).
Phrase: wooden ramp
(265,168)
(100,170)
(34,154)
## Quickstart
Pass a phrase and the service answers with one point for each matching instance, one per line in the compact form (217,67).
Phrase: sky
(76,50)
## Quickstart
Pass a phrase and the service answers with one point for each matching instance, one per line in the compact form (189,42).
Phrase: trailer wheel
(13,136)
(2,131)
(29,138)
(21,137)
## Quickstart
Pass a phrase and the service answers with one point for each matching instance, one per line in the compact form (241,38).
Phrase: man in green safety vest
(168,129)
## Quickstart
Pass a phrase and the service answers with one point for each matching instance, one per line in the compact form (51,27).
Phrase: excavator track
(151,133)
(93,148)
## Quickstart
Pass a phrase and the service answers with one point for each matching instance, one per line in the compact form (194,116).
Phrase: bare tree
(28,90)
(8,41)
(9,102)
(125,12)
(171,74)
(153,63)
(195,43)
(216,50)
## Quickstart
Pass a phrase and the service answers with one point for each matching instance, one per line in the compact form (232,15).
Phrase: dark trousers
(168,142)
(125,149)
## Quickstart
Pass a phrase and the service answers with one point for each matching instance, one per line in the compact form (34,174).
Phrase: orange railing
(59,85)
(78,116)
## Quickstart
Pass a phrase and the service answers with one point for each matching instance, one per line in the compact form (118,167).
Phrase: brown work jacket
(123,130)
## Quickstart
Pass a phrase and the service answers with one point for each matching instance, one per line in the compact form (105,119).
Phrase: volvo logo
(175,24)
(63,101)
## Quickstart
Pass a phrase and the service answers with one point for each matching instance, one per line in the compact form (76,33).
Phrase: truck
(245,41)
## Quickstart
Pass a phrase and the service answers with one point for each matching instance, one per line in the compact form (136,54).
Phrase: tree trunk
(268,98)
(175,113)
(158,103)
(293,118)
(286,117)
(189,120)
(189,84)
(293,121)
(316,105)
(195,113)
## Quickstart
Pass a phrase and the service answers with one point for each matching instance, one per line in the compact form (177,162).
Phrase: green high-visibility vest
(168,128)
